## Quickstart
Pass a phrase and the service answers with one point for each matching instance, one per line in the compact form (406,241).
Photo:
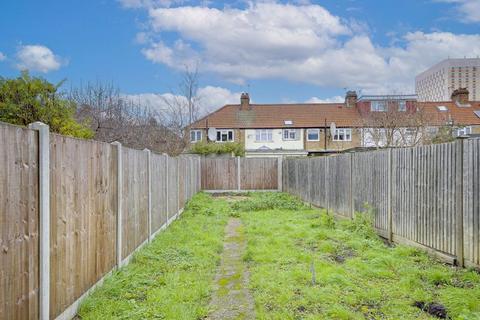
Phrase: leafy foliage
(268,201)
(206,148)
(28,99)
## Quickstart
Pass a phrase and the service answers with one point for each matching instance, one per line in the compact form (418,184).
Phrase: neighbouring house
(317,128)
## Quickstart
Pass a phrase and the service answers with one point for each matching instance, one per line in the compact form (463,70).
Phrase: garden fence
(72,210)
(426,196)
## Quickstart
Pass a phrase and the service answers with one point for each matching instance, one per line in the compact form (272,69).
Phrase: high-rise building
(438,82)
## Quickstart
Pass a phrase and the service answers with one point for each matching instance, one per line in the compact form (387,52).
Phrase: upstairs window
(263,135)
(402,106)
(378,106)
(290,134)
(224,135)
(465,131)
(342,135)
(313,134)
(195,135)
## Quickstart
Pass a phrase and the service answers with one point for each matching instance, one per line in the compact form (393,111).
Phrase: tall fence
(427,196)
(73,210)
(240,174)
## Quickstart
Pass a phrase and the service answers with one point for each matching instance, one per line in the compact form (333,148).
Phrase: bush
(205,148)
(268,201)
(28,99)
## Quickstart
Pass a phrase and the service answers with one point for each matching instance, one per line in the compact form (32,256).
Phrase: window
(195,135)
(402,106)
(378,106)
(224,135)
(263,135)
(465,131)
(442,108)
(313,134)
(289,134)
(342,135)
(288,122)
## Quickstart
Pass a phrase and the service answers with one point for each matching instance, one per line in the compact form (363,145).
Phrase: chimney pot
(244,101)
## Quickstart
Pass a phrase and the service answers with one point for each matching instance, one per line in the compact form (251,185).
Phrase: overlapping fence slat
(219,174)
(84,210)
(18,223)
(427,196)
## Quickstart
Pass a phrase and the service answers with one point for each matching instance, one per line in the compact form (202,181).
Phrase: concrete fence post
(44,220)
(390,195)
(119,201)
(239,184)
(149,192)
(459,202)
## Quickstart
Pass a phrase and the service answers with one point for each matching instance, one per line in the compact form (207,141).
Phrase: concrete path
(231,297)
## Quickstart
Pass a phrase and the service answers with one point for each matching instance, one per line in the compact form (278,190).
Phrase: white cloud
(2,56)
(469,10)
(209,99)
(37,58)
(335,99)
(304,43)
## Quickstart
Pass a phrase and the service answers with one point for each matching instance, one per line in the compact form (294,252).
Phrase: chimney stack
(351,99)
(460,96)
(244,101)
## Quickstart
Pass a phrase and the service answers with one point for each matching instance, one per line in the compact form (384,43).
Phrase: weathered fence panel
(159,191)
(19,275)
(426,196)
(219,174)
(135,201)
(471,204)
(258,173)
(83,214)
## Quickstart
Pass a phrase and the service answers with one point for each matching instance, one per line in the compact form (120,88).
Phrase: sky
(278,51)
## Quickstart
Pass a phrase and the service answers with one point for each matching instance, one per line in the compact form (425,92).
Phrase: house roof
(274,116)
(314,115)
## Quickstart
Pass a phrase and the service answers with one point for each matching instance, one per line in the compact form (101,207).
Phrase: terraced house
(317,128)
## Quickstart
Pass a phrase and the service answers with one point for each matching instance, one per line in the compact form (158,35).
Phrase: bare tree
(394,125)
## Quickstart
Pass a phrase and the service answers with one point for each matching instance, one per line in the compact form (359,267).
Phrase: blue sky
(279,51)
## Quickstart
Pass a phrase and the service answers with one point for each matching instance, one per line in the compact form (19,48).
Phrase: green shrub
(205,148)
(268,201)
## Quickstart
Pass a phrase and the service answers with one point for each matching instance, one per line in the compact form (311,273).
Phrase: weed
(268,201)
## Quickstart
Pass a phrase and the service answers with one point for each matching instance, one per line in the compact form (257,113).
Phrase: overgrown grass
(305,265)
(172,277)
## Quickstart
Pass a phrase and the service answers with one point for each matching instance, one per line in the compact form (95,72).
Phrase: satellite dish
(212,134)
(333,127)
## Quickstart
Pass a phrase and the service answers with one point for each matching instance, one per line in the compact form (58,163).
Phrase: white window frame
(402,106)
(226,132)
(464,131)
(263,135)
(288,132)
(197,136)
(317,131)
(342,132)
(375,106)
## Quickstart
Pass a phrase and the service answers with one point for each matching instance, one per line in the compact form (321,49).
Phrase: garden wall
(72,210)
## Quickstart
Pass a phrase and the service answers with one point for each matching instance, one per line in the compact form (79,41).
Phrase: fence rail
(103,202)
(240,174)
(428,196)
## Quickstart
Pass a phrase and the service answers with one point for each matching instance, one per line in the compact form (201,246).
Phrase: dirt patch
(435,309)
(231,297)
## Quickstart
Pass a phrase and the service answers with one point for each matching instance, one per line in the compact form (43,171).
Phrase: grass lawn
(171,278)
(303,265)
(356,276)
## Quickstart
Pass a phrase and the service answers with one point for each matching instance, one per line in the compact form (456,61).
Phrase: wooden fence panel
(159,191)
(258,173)
(83,217)
(135,200)
(370,185)
(172,187)
(471,202)
(181,181)
(19,278)
(317,182)
(219,174)
(338,184)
